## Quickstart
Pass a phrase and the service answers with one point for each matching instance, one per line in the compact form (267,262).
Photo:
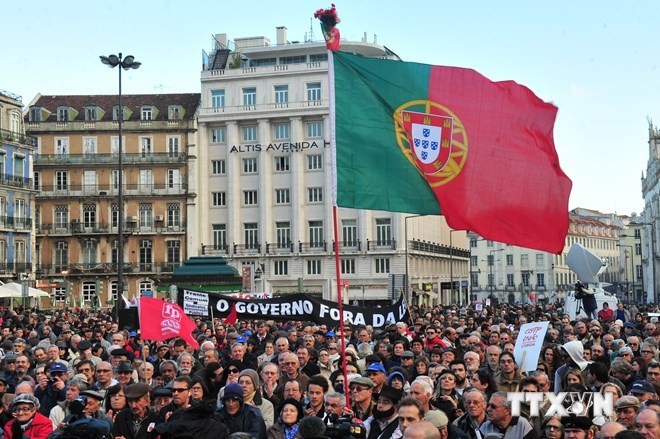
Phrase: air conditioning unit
(131,219)
(159,218)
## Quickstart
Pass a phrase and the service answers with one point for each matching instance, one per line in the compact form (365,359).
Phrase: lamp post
(405,232)
(126,63)
(626,270)
(491,262)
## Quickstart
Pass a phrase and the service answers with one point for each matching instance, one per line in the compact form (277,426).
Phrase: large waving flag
(160,320)
(428,139)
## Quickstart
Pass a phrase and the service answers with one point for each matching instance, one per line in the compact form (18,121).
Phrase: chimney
(281,35)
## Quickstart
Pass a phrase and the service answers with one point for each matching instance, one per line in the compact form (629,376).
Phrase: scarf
(290,433)
(250,397)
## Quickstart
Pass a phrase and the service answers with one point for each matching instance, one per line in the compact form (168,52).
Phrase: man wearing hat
(643,390)
(27,421)
(238,416)
(124,373)
(626,409)
(140,421)
(376,372)
(51,388)
(361,389)
(93,407)
(577,426)
(85,352)
(407,359)
(385,418)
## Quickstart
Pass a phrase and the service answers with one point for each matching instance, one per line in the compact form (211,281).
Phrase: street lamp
(491,262)
(626,270)
(127,63)
(405,232)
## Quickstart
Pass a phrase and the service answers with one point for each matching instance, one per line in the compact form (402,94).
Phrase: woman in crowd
(552,358)
(269,351)
(115,400)
(286,427)
(199,392)
(420,367)
(551,428)
(27,422)
(325,364)
(445,397)
(572,377)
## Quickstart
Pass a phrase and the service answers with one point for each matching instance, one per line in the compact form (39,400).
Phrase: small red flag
(329,20)
(232,316)
(160,320)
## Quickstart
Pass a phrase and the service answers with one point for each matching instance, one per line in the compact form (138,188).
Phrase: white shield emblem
(426,142)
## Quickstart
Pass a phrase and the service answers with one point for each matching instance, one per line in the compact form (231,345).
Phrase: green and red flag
(429,139)
(329,19)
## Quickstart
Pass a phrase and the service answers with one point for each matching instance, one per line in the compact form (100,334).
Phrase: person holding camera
(51,387)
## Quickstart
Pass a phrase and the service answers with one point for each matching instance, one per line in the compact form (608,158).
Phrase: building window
(281,268)
(173,215)
(296,59)
(249,98)
(114,215)
(218,99)
(491,280)
(173,252)
(540,260)
(349,232)
(314,130)
(61,180)
(474,261)
(249,133)
(250,166)
(146,255)
(147,112)
(283,234)
(145,146)
(114,145)
(59,294)
(63,114)
(89,146)
(382,265)
(113,291)
(540,279)
(19,166)
(173,112)
(281,96)
(61,217)
(61,256)
(251,233)
(219,237)
(89,252)
(146,180)
(509,260)
(474,277)
(282,163)
(250,198)
(490,244)
(315,195)
(638,234)
(89,292)
(282,131)
(90,114)
(314,267)
(347,266)
(491,260)
(524,261)
(89,216)
(525,279)
(35,114)
(638,273)
(316,237)
(319,57)
(61,145)
(314,93)
(383,231)
(282,196)
(218,199)
(218,167)
(174,179)
(146,216)
(218,135)
(314,162)
(509,280)
(173,148)
(473,242)
(115,113)
(36,177)
(638,249)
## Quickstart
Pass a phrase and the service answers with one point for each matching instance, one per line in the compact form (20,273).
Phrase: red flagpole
(340,303)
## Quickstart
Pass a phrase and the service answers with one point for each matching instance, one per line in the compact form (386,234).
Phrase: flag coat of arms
(428,139)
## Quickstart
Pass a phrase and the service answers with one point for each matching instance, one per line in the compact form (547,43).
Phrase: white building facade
(262,175)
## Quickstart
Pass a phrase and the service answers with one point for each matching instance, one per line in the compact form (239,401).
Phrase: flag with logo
(329,19)
(160,320)
(428,139)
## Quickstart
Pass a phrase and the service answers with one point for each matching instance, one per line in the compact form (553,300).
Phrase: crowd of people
(444,374)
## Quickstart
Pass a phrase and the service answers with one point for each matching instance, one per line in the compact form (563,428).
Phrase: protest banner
(528,345)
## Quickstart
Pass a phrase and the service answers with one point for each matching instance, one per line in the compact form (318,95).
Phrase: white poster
(528,345)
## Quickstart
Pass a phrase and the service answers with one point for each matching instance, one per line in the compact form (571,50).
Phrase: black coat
(124,425)
(199,421)
(247,420)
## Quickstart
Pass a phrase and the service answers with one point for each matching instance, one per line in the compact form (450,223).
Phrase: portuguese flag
(428,139)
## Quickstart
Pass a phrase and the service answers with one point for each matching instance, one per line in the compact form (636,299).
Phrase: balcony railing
(94,190)
(96,268)
(273,248)
(11,136)
(14,268)
(215,250)
(106,125)
(15,181)
(284,106)
(15,222)
(130,227)
(108,159)
(381,244)
(429,247)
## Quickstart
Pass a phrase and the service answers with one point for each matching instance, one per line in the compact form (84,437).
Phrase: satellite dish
(585,264)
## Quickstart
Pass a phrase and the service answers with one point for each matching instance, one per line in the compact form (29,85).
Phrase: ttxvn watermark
(562,404)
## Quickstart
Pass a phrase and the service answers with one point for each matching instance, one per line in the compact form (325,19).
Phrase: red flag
(329,20)
(232,316)
(160,320)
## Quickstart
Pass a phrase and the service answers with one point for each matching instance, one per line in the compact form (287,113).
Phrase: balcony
(90,228)
(157,158)
(215,250)
(14,268)
(321,104)
(381,245)
(291,69)
(106,125)
(17,181)
(108,190)
(104,268)
(15,222)
(14,137)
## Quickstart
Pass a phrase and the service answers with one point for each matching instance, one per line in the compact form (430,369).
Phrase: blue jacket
(247,420)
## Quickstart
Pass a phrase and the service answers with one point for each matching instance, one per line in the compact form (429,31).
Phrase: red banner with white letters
(160,321)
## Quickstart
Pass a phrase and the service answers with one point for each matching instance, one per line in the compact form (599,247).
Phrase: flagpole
(212,322)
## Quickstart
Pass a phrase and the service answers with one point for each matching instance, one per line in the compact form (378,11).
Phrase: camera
(343,427)
(77,406)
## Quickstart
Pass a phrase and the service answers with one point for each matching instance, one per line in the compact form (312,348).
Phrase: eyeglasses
(123,372)
(647,352)
(553,427)
(233,370)
(23,409)
(196,389)
(179,389)
(357,389)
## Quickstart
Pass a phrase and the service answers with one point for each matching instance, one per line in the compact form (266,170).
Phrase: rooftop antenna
(159,86)
(309,37)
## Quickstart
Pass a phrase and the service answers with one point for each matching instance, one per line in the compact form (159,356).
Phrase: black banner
(290,307)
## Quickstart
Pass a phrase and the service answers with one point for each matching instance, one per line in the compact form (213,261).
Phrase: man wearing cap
(85,352)
(238,416)
(626,409)
(124,373)
(51,388)
(27,422)
(93,408)
(361,389)
(261,337)
(577,426)
(643,390)
(140,420)
(407,359)
(500,421)
(384,420)
(376,372)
